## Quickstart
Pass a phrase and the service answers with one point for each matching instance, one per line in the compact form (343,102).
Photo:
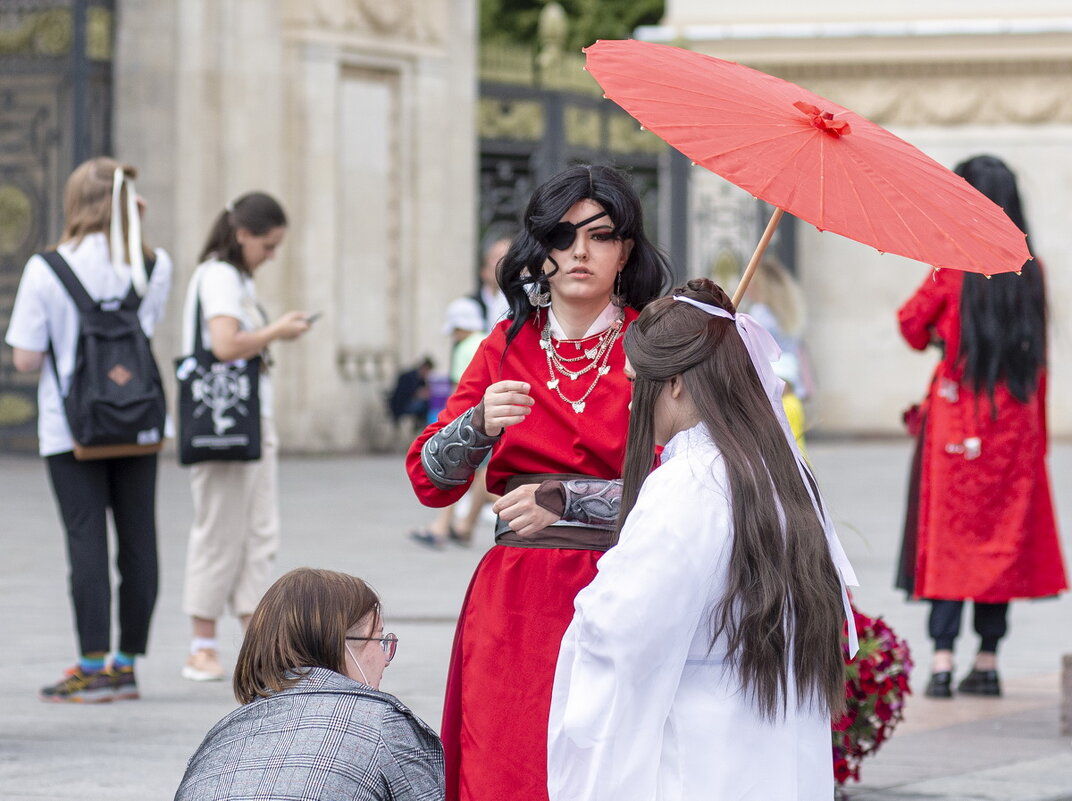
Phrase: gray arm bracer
(452,454)
(593,501)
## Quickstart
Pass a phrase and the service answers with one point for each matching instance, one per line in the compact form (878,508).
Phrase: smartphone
(312,318)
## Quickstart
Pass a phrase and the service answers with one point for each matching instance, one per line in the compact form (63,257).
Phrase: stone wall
(358,115)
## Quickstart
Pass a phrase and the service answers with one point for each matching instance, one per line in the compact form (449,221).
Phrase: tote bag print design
(219,406)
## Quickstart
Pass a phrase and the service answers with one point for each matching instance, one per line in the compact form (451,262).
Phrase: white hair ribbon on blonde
(763,351)
(138,277)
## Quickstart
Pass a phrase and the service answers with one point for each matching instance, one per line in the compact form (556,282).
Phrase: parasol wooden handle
(753,263)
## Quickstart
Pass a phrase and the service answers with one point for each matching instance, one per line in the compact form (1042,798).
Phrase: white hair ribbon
(138,277)
(763,350)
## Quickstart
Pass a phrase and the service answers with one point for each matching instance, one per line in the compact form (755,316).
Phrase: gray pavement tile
(354,514)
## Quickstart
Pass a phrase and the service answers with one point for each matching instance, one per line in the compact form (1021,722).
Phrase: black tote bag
(219,405)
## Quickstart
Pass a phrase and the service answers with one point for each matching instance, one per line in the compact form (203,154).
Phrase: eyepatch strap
(563,234)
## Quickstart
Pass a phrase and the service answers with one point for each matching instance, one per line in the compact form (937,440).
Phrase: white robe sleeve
(623,655)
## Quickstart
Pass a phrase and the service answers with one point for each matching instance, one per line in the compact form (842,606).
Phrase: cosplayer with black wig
(980,524)
(545,401)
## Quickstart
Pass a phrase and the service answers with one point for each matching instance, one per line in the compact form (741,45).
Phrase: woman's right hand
(291,325)
(506,403)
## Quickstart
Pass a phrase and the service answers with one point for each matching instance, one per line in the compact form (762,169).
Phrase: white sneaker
(203,665)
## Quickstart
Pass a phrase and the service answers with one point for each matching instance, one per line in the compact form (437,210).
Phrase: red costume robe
(986,527)
(520,600)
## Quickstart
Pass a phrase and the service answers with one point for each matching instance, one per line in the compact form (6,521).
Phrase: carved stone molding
(423,22)
(946,94)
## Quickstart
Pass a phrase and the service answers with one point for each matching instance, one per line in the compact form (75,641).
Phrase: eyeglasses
(388,642)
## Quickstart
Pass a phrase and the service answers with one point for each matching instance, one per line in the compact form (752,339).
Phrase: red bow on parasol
(808,156)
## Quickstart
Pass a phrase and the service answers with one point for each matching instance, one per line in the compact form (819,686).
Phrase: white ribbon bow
(138,277)
(763,350)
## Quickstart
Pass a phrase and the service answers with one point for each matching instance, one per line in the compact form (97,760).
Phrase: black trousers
(84,492)
(991,623)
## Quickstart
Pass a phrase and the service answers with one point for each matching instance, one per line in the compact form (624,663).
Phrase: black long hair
(646,272)
(257,212)
(1003,318)
(782,599)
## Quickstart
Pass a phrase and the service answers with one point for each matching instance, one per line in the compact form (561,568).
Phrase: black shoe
(460,539)
(980,682)
(427,539)
(940,685)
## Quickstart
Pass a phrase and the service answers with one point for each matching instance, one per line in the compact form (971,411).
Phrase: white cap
(464,314)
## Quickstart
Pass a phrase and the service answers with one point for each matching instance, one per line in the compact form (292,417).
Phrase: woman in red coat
(546,395)
(982,525)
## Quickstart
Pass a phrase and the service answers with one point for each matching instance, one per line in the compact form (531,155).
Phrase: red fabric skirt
(516,610)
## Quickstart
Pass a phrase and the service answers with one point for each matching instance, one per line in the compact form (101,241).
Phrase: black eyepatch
(563,234)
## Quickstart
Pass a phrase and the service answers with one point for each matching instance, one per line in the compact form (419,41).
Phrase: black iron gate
(527,134)
(55,112)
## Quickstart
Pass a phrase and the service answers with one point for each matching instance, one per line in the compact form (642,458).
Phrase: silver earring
(539,295)
(616,297)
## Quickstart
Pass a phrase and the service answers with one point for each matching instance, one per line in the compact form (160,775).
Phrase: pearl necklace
(598,357)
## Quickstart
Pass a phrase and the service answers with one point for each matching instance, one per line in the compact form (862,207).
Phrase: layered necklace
(593,359)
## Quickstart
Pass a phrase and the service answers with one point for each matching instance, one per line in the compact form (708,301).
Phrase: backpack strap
(69,280)
(78,293)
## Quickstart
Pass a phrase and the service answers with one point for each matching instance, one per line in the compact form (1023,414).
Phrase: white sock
(201,643)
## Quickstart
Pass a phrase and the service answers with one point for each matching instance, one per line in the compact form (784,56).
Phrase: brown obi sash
(563,534)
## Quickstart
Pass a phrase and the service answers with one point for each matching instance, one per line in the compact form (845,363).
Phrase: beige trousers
(235,534)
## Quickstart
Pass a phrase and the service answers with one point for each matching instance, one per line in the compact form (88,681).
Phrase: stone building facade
(359,116)
(953,81)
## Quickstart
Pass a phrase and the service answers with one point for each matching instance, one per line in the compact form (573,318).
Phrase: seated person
(314,724)
(409,398)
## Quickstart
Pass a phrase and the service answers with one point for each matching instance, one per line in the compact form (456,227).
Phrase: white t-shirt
(44,313)
(225,292)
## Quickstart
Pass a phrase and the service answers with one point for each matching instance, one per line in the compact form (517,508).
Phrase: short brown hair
(301,622)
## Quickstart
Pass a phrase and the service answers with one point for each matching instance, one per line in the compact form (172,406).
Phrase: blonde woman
(110,263)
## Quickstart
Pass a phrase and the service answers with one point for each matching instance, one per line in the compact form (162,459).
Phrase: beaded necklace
(597,357)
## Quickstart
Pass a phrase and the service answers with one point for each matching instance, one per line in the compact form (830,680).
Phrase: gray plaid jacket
(328,738)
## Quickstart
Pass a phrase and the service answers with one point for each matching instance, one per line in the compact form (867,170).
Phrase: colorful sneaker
(80,688)
(203,665)
(124,686)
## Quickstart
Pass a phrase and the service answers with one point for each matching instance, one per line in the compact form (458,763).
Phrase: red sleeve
(469,392)
(919,315)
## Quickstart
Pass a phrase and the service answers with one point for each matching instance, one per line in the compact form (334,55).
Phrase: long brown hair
(87,201)
(301,622)
(257,212)
(783,595)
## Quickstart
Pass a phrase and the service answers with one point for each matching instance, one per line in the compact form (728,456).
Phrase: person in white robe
(665,688)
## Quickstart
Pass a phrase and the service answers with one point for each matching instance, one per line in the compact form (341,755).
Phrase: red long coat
(520,600)
(986,527)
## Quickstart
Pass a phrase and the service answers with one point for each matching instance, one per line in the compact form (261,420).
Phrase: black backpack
(115,405)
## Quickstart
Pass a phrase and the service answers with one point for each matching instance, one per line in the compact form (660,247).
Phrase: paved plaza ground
(353,514)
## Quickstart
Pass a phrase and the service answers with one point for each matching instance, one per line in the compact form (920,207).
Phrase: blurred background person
(776,300)
(235,532)
(980,523)
(44,331)
(313,722)
(469,320)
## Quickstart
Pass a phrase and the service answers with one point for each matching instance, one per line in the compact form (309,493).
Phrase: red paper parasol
(808,156)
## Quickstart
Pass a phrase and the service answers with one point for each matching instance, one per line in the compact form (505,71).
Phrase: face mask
(362,672)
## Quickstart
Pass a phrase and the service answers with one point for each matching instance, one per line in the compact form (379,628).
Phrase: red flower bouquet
(876,683)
